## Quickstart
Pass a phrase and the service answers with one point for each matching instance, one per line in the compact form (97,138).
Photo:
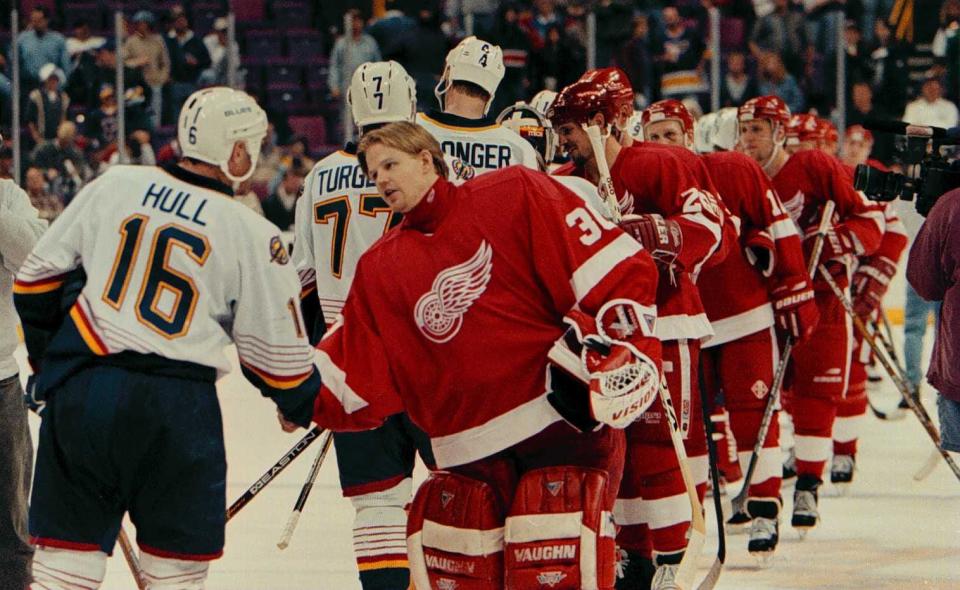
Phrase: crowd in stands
(294,56)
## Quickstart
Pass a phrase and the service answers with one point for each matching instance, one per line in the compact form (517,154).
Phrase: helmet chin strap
(777,148)
(442,87)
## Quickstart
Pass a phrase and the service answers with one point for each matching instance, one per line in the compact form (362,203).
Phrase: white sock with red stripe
(67,569)
(380,527)
(164,573)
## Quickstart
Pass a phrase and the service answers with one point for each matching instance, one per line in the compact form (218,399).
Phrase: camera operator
(932,270)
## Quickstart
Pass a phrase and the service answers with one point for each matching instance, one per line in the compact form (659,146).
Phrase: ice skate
(841,472)
(764,530)
(805,512)
(738,524)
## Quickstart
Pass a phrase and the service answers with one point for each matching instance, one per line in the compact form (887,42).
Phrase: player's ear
(425,159)
(598,119)
(240,160)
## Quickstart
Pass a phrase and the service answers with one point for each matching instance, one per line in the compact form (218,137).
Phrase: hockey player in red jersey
(761,282)
(805,181)
(681,224)
(803,133)
(451,317)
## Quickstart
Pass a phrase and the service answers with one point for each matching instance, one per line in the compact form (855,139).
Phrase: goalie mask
(382,92)
(533,126)
(474,61)
(543,100)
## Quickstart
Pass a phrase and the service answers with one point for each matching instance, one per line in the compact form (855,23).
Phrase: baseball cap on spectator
(48,70)
(144,16)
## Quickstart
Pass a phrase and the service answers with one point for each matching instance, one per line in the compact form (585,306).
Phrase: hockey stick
(896,414)
(271,473)
(304,493)
(698,526)
(131,557)
(605,185)
(710,580)
(928,466)
(901,384)
(738,504)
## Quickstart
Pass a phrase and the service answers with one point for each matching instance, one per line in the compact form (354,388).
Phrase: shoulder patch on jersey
(278,252)
(462,170)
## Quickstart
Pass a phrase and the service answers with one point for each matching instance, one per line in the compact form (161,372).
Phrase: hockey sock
(67,569)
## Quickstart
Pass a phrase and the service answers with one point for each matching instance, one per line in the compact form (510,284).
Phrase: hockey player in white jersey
(471,75)
(340,215)
(175,270)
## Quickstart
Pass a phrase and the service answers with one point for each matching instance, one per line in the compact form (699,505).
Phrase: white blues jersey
(478,143)
(177,268)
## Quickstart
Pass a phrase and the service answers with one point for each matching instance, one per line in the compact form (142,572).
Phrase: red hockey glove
(661,237)
(795,310)
(616,356)
(870,282)
(838,242)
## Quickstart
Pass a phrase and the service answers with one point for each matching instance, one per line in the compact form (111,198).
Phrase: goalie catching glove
(616,356)
(661,237)
(870,283)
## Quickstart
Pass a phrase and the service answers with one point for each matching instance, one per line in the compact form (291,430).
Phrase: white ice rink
(890,532)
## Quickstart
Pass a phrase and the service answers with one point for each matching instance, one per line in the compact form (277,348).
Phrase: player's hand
(794,309)
(837,243)
(660,237)
(33,403)
(285,424)
(870,283)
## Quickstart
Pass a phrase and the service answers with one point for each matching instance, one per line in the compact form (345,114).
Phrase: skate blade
(802,532)
(738,529)
(764,559)
(842,488)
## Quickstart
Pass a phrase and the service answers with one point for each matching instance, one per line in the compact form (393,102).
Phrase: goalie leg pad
(560,533)
(165,573)
(455,534)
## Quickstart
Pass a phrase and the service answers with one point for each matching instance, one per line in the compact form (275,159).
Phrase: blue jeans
(949,411)
(916,312)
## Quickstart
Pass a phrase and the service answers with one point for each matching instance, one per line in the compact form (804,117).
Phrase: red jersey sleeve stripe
(598,266)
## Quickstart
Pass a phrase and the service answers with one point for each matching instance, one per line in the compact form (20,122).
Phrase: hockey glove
(760,250)
(838,242)
(661,237)
(870,283)
(614,358)
(34,403)
(795,310)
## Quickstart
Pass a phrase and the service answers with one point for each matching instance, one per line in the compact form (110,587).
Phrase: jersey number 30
(159,276)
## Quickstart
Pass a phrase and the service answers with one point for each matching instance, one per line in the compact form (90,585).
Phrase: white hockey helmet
(532,125)
(726,131)
(474,61)
(703,132)
(212,120)
(543,101)
(382,92)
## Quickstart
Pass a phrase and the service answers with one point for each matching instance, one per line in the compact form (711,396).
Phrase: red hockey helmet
(828,132)
(858,133)
(803,127)
(771,108)
(615,81)
(663,110)
(579,101)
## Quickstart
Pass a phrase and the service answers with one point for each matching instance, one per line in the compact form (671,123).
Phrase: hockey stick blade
(894,415)
(928,466)
(304,494)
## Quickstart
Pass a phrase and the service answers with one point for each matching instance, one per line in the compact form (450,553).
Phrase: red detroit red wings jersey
(735,293)
(811,178)
(451,315)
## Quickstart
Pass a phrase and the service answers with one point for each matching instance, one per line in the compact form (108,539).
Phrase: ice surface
(889,532)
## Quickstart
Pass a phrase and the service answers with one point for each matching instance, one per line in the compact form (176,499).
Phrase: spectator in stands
(47,105)
(83,41)
(422,54)
(775,79)
(635,58)
(216,43)
(39,46)
(946,48)
(614,28)
(280,206)
(823,21)
(517,59)
(781,32)
(888,61)
(483,12)
(100,124)
(681,59)
(99,69)
(62,161)
(49,206)
(863,108)
(295,155)
(139,150)
(930,108)
(349,53)
(859,65)
(146,51)
(188,57)
(738,86)
(6,161)
(557,64)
